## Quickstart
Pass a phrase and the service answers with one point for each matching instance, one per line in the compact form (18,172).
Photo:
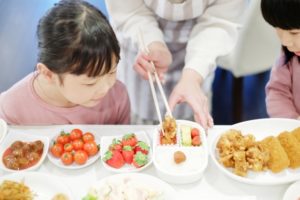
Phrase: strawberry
(196,141)
(139,160)
(129,139)
(194,132)
(142,147)
(114,159)
(116,145)
(128,154)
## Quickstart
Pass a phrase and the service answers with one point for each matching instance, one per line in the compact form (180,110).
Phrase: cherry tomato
(67,158)
(77,144)
(57,150)
(68,147)
(91,148)
(63,138)
(80,157)
(75,134)
(88,137)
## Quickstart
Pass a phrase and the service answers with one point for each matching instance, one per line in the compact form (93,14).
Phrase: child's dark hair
(75,37)
(283,14)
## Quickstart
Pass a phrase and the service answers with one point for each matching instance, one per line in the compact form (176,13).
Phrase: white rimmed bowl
(13,136)
(192,168)
(3,130)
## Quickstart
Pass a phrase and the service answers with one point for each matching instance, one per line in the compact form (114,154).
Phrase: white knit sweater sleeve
(214,35)
(128,16)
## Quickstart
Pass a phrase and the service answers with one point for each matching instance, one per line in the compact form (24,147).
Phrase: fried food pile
(169,126)
(241,152)
(14,190)
(274,153)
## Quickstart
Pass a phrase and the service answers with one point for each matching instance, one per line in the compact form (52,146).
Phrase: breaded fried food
(278,159)
(240,165)
(296,133)
(292,148)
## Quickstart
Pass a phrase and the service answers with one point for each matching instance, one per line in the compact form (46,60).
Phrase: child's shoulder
(119,87)
(18,91)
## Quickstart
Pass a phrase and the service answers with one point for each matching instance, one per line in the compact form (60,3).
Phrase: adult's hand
(159,54)
(188,90)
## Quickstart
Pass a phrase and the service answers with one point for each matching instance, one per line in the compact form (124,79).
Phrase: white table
(213,186)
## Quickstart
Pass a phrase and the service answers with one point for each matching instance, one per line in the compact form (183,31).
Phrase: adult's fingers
(140,70)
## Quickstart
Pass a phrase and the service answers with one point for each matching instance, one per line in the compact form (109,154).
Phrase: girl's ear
(45,72)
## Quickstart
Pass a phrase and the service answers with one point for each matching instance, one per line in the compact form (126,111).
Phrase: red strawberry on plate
(114,159)
(142,147)
(139,160)
(129,139)
(116,145)
(128,154)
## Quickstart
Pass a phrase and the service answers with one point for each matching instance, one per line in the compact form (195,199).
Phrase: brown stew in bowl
(22,155)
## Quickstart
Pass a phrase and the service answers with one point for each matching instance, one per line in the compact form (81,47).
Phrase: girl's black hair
(283,14)
(75,37)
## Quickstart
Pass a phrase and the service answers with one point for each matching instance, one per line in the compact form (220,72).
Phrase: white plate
(261,128)
(58,162)
(3,130)
(43,185)
(106,142)
(293,192)
(150,182)
(13,136)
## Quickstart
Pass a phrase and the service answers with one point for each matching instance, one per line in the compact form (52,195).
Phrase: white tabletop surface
(213,186)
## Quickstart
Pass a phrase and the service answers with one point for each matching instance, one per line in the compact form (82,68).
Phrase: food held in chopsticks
(274,153)
(168,135)
(12,190)
(22,155)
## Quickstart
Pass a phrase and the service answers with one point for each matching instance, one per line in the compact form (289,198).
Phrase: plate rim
(289,189)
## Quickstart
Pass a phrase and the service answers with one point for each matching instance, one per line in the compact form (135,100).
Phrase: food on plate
(22,155)
(296,133)
(278,158)
(125,188)
(74,147)
(241,152)
(15,191)
(129,151)
(139,159)
(291,146)
(190,136)
(168,135)
(60,196)
(179,157)
(186,136)
(114,159)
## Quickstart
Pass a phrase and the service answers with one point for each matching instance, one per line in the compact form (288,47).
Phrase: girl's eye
(90,84)
(294,33)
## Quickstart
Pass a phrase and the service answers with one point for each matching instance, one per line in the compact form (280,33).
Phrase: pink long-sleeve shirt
(20,105)
(283,89)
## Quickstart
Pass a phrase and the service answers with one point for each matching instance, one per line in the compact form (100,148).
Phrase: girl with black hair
(75,80)
(283,88)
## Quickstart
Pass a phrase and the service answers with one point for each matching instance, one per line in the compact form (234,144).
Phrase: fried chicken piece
(296,133)
(292,148)
(278,157)
(240,165)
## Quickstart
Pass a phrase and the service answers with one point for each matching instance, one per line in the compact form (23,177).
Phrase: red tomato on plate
(75,134)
